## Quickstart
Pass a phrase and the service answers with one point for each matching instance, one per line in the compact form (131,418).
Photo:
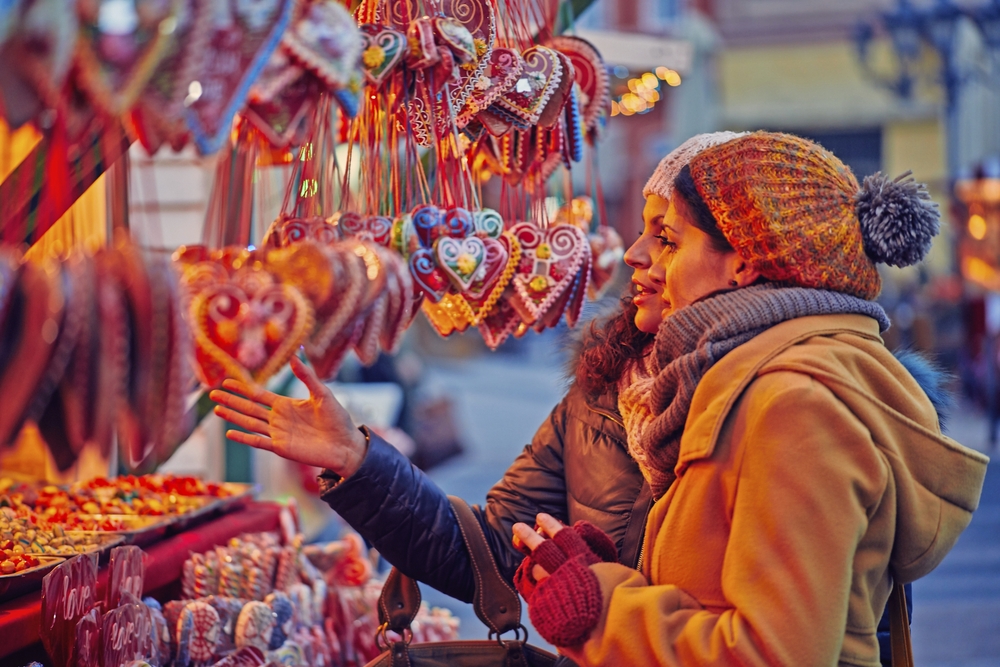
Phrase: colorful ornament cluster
(250,603)
(177,71)
(251,310)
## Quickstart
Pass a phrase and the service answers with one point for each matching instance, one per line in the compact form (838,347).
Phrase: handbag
(496,604)
(899,628)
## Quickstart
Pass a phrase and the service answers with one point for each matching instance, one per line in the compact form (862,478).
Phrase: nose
(638,256)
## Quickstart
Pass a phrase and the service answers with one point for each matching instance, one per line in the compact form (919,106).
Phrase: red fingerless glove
(566,606)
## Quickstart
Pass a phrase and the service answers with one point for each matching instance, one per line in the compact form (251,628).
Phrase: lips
(640,291)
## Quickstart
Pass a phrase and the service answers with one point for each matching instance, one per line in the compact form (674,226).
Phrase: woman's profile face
(690,267)
(641,256)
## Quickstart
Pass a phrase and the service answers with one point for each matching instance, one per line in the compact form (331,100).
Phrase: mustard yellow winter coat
(812,467)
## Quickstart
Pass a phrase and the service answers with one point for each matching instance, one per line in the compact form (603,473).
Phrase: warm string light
(644,92)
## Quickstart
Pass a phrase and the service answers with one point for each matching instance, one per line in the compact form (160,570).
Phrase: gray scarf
(691,340)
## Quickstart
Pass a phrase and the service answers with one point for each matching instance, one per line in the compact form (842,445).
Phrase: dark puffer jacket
(576,467)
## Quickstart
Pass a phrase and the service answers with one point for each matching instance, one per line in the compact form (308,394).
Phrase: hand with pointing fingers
(316,431)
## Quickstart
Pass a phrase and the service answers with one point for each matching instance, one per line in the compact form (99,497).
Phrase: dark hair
(607,349)
(701,215)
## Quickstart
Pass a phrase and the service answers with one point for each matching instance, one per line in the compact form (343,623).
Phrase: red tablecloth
(20,619)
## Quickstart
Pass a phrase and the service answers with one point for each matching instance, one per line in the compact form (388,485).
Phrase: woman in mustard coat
(799,470)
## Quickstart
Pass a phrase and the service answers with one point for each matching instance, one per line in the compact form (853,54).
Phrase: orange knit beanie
(795,212)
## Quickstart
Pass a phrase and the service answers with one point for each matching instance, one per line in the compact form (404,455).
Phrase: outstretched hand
(316,431)
(527,540)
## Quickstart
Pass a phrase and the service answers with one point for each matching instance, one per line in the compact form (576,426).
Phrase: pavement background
(502,397)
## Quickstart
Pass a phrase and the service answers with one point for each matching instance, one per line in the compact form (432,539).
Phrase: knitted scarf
(689,343)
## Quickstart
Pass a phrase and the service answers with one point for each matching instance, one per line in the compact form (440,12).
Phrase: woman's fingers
(250,439)
(528,537)
(243,421)
(253,392)
(309,378)
(549,525)
(240,404)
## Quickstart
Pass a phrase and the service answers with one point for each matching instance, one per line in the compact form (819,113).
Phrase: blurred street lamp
(909,29)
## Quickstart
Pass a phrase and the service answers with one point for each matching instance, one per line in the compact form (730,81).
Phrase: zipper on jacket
(642,552)
(607,415)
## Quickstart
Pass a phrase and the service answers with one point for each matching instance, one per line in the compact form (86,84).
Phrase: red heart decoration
(280,118)
(326,40)
(382,50)
(503,67)
(552,112)
(248,328)
(375,228)
(539,80)
(237,50)
(114,68)
(426,274)
(499,323)
(159,114)
(478,18)
(590,74)
(492,267)
(550,262)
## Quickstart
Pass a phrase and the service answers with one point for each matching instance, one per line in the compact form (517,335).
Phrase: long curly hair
(608,347)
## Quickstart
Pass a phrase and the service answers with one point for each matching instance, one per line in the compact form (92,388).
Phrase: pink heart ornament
(538,81)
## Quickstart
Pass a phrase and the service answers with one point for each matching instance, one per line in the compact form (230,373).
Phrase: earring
(733,283)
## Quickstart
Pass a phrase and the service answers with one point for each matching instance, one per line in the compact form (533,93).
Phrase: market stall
(424,151)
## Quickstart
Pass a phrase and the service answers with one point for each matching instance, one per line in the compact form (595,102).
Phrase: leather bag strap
(496,602)
(399,602)
(899,628)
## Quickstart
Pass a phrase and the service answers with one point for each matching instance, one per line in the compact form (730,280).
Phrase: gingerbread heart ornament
(248,328)
(539,80)
(590,74)
(550,263)
(158,115)
(118,50)
(375,228)
(382,49)
(461,259)
(431,280)
(244,33)
(503,68)
(326,40)
(479,22)
(280,118)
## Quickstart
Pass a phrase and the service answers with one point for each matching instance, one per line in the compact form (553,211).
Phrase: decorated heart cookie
(426,274)
(550,262)
(280,118)
(590,74)
(374,228)
(248,329)
(382,50)
(326,40)
(502,70)
(538,82)
(460,259)
(116,57)
(244,35)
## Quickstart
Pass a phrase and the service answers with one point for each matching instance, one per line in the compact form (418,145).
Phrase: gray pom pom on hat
(898,219)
